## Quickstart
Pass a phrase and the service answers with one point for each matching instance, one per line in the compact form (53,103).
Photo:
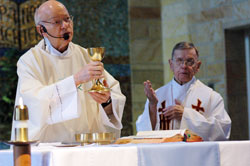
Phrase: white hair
(37,17)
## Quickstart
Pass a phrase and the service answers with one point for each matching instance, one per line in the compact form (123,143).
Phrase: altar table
(225,153)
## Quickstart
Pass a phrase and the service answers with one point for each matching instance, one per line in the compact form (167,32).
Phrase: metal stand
(22,155)
(21,152)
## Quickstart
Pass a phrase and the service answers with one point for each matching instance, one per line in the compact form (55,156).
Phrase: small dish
(98,138)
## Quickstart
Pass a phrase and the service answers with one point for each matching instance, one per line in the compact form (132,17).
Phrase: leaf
(6,99)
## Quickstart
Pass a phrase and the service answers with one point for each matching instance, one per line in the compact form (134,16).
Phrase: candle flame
(21,103)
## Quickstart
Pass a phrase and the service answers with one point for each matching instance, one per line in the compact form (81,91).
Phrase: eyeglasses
(188,62)
(58,22)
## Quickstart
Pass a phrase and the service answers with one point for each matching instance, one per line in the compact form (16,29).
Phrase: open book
(161,136)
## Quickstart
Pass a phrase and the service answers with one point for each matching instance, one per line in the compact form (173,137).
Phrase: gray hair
(184,45)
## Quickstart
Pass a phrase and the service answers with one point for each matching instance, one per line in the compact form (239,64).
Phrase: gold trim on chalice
(98,138)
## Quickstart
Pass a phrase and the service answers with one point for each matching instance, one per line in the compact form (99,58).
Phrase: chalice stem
(98,82)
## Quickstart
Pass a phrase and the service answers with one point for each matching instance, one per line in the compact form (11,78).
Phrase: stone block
(139,29)
(204,49)
(144,3)
(175,26)
(155,76)
(204,4)
(137,112)
(155,29)
(138,93)
(146,67)
(169,2)
(168,74)
(170,42)
(207,32)
(145,29)
(146,52)
(219,50)
(194,6)
(138,108)
(202,71)
(215,69)
(167,52)
(145,12)
(217,3)
(175,10)
(241,10)
(211,14)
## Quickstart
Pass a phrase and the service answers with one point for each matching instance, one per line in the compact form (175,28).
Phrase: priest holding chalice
(56,80)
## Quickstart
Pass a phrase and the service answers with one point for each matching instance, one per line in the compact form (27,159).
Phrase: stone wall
(145,50)
(204,22)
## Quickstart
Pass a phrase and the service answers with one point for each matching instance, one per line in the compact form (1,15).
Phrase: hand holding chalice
(97,54)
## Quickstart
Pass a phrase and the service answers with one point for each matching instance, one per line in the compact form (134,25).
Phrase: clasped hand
(171,112)
(174,111)
(102,97)
(93,70)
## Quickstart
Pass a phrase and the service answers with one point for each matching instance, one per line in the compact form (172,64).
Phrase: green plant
(8,83)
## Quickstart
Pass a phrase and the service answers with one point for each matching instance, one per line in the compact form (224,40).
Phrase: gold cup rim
(99,138)
(96,53)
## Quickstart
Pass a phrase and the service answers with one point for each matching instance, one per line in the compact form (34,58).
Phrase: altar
(224,153)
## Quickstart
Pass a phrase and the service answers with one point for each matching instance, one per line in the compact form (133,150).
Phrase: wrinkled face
(56,19)
(185,65)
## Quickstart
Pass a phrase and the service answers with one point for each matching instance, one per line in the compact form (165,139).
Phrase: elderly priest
(53,79)
(185,102)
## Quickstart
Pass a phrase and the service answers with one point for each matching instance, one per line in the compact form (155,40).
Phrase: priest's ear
(40,29)
(197,67)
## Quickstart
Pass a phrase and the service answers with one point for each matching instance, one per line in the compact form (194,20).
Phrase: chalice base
(99,88)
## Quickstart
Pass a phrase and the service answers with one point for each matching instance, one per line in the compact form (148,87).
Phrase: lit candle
(21,103)
(21,118)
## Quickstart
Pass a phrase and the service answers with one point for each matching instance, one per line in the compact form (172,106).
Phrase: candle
(21,118)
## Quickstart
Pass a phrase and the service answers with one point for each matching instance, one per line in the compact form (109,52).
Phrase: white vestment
(57,108)
(204,111)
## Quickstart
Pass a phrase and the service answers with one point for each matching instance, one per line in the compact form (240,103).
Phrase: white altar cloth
(227,153)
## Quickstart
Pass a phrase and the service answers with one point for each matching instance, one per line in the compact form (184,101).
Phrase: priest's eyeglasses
(187,62)
(59,22)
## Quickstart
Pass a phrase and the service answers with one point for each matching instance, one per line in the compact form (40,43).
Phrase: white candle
(21,103)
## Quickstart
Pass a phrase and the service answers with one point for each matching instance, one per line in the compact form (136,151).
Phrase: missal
(161,136)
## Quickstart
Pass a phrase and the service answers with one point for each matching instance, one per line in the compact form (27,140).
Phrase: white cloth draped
(212,124)
(57,108)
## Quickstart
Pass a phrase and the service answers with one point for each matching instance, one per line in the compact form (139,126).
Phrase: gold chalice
(97,54)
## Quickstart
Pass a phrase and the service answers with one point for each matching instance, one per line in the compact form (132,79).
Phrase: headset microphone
(65,36)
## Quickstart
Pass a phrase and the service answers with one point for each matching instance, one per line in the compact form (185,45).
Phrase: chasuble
(204,111)
(57,108)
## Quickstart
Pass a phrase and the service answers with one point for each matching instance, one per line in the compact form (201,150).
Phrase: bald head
(47,10)
(53,22)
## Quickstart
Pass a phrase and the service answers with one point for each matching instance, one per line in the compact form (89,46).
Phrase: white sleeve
(118,102)
(53,103)
(215,126)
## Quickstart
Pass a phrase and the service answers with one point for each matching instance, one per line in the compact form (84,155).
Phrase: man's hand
(92,70)
(175,111)
(102,97)
(150,93)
